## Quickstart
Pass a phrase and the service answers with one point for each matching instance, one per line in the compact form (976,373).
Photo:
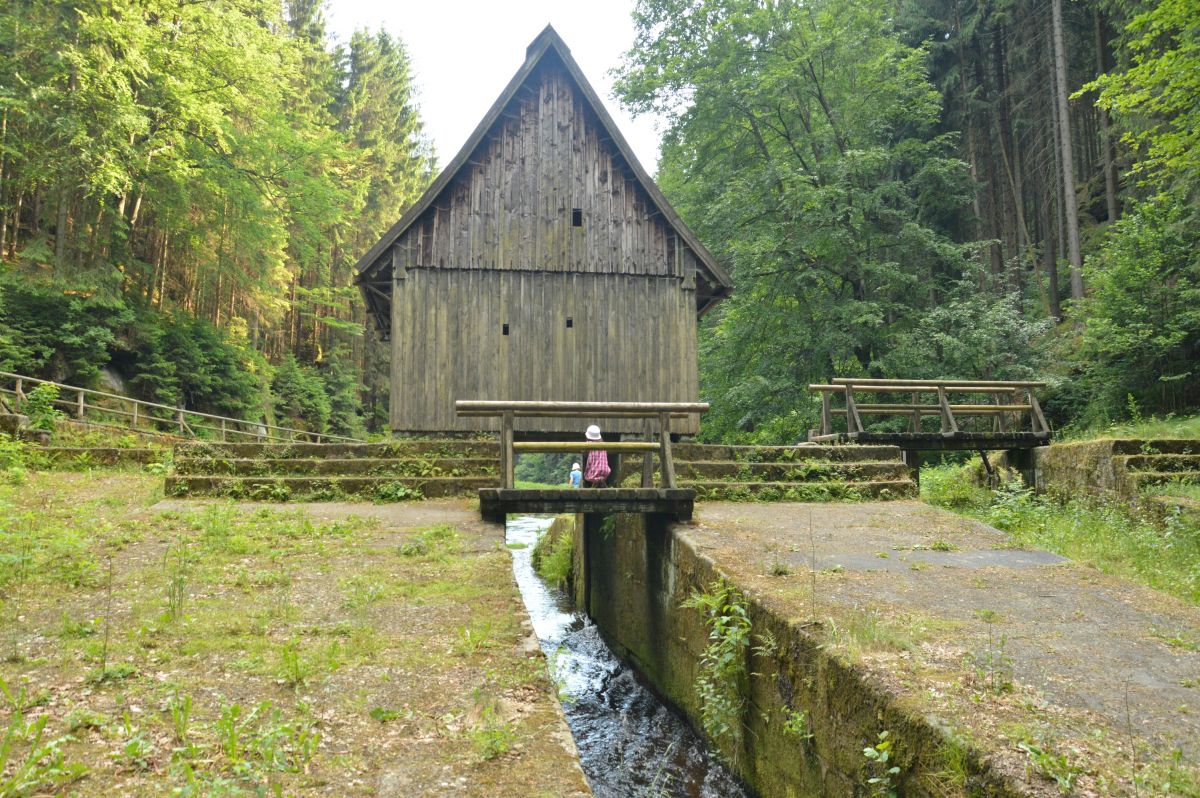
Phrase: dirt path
(947,612)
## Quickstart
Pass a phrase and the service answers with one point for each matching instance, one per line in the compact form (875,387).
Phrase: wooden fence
(114,411)
(585,412)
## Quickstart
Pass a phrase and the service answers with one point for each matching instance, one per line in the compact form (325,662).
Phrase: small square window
(577,217)
(506,329)
(570,322)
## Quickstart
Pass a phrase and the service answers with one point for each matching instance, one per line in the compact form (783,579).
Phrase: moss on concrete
(809,712)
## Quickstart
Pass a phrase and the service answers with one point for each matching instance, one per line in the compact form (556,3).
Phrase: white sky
(465,51)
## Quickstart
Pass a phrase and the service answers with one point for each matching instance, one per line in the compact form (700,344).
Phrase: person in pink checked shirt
(596,472)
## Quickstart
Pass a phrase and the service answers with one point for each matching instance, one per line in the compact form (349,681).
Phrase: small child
(597,471)
(576,475)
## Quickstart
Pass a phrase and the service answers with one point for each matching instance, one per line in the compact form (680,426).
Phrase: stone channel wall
(634,572)
(1112,467)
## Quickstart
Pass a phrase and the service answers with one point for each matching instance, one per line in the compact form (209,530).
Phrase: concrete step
(1160,462)
(1158,446)
(1143,479)
(82,456)
(799,471)
(699,452)
(387,449)
(802,491)
(326,488)
(431,466)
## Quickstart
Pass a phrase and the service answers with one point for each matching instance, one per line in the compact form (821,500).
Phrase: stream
(631,745)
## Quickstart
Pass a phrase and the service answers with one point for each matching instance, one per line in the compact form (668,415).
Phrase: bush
(39,406)
(300,398)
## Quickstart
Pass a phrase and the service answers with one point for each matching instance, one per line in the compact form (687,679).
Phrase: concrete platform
(677,503)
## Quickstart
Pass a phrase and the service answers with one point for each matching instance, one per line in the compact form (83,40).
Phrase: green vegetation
(722,678)
(552,556)
(886,184)
(183,192)
(1160,551)
(237,653)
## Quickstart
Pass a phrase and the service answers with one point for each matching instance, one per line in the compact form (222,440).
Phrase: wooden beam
(507,452)
(949,425)
(582,408)
(665,458)
(852,416)
(586,446)
(933,410)
(943,383)
(648,456)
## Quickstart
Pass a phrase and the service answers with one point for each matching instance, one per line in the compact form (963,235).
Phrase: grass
(240,651)
(523,485)
(1163,553)
(552,556)
(1177,489)
(1146,428)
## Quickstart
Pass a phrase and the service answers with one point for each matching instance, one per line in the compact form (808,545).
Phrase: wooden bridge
(668,499)
(1016,423)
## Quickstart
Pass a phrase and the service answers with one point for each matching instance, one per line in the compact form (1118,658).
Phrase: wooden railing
(1006,408)
(663,412)
(99,408)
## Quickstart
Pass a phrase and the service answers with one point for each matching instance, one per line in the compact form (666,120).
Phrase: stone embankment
(993,671)
(1116,467)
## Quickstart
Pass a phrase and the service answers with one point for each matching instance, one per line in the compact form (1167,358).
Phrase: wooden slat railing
(137,415)
(508,412)
(1005,410)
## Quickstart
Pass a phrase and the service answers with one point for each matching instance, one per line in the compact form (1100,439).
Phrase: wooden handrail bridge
(669,499)
(126,414)
(1017,423)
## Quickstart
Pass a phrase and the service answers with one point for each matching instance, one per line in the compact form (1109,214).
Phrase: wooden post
(507,456)
(826,416)
(20,395)
(853,422)
(79,406)
(222,430)
(948,423)
(665,458)
(914,423)
(648,457)
(135,415)
(1001,421)
(179,419)
(1036,419)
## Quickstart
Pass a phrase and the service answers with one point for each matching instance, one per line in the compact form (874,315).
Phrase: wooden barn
(542,264)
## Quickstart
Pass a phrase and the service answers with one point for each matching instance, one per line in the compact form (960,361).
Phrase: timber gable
(546,183)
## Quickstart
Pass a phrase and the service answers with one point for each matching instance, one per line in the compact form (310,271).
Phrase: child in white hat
(597,471)
(576,475)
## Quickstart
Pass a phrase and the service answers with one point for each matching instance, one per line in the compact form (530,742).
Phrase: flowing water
(630,744)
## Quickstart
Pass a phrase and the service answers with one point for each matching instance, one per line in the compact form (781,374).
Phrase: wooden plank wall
(511,206)
(632,339)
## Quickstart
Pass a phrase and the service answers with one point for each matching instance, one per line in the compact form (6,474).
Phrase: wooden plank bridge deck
(496,503)
(671,500)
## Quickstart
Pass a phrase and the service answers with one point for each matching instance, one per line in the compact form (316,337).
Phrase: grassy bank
(225,650)
(1156,549)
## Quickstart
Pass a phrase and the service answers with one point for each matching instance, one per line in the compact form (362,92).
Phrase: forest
(929,188)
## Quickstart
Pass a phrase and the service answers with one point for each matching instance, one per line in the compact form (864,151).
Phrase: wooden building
(542,264)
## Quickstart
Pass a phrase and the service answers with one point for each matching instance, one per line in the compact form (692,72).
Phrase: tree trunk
(1107,156)
(60,229)
(1074,255)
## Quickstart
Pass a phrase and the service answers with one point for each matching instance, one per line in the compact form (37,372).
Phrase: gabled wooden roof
(372,265)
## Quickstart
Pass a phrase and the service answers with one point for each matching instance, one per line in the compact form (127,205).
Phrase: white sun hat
(593,433)
(574,466)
